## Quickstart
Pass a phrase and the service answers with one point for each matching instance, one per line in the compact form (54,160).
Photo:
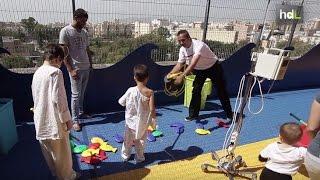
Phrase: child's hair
(140,72)
(290,132)
(53,51)
(80,13)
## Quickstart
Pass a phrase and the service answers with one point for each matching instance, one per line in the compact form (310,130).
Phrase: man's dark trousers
(215,73)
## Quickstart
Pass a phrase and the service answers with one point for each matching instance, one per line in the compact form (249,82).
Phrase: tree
(242,43)
(29,24)
(161,31)
(223,50)
(300,47)
(20,35)
(115,50)
(39,32)
(15,34)
(16,62)
(45,34)
(97,42)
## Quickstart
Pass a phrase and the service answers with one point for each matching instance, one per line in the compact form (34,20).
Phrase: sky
(49,11)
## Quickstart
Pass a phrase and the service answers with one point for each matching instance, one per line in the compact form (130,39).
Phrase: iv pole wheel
(214,156)
(254,177)
(204,167)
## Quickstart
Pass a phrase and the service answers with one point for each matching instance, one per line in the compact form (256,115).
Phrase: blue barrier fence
(107,85)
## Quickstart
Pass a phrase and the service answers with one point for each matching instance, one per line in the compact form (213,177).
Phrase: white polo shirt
(283,158)
(207,57)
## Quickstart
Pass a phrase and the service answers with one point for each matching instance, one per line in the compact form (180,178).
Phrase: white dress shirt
(51,110)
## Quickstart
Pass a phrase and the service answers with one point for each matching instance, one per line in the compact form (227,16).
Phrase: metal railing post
(206,19)
(73,6)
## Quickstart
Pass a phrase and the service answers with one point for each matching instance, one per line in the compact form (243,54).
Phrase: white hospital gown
(51,110)
(137,111)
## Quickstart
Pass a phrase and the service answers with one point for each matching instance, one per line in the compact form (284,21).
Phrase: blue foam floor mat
(256,127)
(25,160)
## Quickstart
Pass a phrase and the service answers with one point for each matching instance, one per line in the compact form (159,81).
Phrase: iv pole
(230,163)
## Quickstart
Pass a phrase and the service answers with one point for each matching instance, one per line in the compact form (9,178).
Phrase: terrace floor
(171,156)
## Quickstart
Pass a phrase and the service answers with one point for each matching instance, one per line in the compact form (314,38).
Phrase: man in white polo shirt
(204,64)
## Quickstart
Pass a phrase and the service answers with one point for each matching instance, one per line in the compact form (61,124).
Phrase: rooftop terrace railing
(117,27)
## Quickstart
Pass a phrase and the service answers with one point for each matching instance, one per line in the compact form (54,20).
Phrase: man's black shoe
(190,118)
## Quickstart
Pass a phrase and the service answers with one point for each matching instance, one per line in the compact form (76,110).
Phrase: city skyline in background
(118,27)
(146,10)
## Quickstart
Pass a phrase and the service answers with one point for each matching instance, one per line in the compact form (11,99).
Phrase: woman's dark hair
(53,51)
(140,72)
